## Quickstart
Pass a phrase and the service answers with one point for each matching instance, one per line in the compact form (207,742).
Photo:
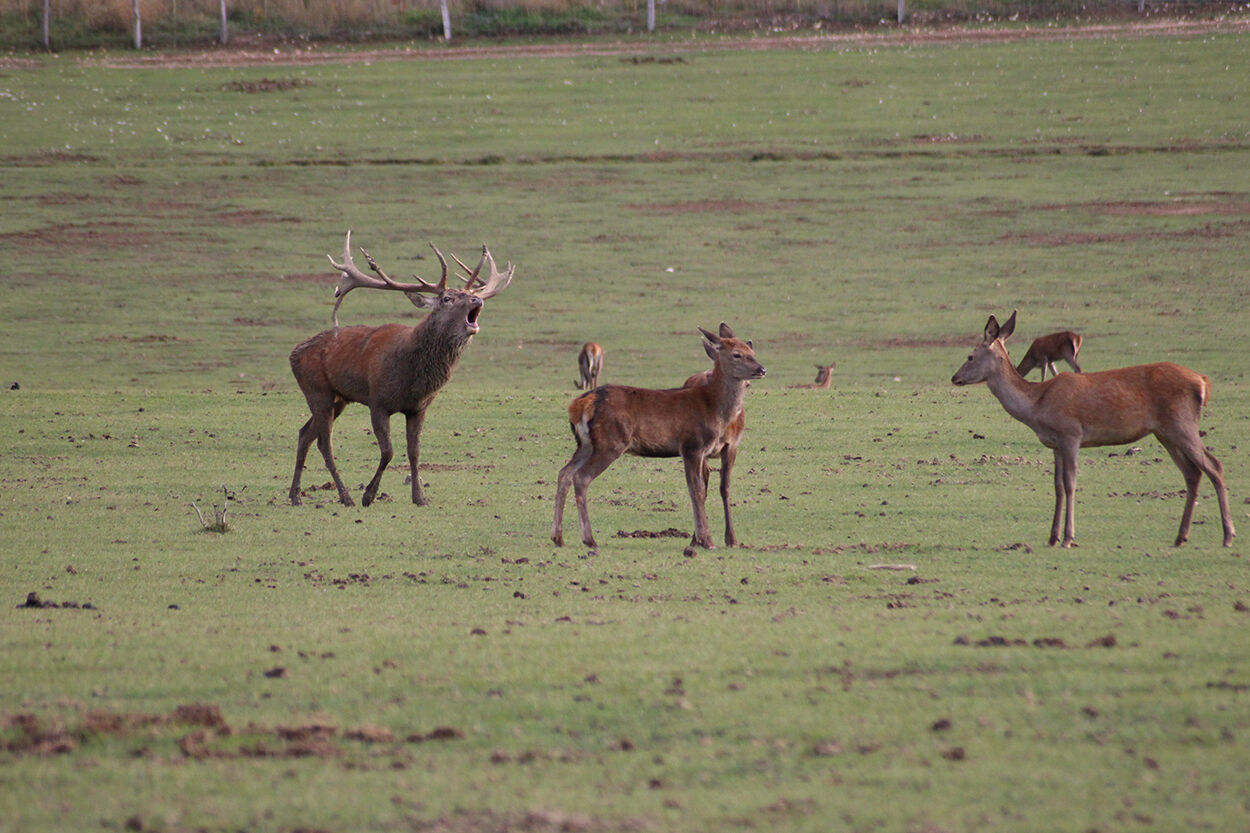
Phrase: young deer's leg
(727,457)
(412,430)
(563,481)
(1193,476)
(1069,453)
(1214,469)
(598,461)
(382,433)
(696,483)
(1072,361)
(1056,524)
(1195,453)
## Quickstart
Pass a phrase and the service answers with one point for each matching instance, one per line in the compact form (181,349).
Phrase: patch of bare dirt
(1176,208)
(29,734)
(1208,232)
(671,532)
(265,85)
(93,236)
(527,821)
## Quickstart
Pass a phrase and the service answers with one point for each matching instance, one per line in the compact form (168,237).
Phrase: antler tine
(498,281)
(472,278)
(443,262)
(352,277)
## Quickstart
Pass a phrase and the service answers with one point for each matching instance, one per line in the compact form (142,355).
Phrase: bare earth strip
(252,53)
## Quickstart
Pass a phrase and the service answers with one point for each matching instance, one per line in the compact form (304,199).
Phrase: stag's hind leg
(318,427)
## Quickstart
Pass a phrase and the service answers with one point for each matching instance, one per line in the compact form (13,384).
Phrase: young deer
(1111,407)
(391,368)
(691,422)
(590,365)
(1047,350)
(824,375)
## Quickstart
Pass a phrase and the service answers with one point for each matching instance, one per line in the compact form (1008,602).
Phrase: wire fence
(78,23)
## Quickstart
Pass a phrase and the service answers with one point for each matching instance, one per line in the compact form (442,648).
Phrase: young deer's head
(735,358)
(988,354)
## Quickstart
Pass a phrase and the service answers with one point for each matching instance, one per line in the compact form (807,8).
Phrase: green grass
(163,244)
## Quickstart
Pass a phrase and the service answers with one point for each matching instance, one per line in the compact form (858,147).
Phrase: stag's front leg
(696,482)
(413,431)
(382,433)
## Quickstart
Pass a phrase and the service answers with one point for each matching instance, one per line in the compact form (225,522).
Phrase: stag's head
(735,357)
(454,308)
(983,358)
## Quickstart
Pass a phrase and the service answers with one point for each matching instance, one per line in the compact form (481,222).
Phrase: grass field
(445,668)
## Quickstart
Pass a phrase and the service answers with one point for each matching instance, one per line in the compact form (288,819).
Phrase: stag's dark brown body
(392,369)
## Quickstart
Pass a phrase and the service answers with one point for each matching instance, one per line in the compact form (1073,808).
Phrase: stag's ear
(422,299)
(1008,328)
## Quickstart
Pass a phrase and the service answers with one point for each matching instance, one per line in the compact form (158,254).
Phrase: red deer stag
(1111,407)
(590,365)
(690,422)
(1047,350)
(391,368)
(824,375)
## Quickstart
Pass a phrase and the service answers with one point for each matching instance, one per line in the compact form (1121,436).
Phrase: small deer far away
(589,366)
(693,422)
(391,369)
(1046,350)
(824,376)
(1071,411)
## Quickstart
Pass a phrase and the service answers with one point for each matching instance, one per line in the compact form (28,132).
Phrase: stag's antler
(351,277)
(491,286)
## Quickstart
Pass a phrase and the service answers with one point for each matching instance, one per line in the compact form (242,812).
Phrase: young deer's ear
(1008,328)
(710,349)
(725,332)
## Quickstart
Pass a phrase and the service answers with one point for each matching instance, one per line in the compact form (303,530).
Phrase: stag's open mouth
(470,321)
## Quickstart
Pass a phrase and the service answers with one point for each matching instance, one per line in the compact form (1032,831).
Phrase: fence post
(901,11)
(46,24)
(650,15)
(138,15)
(446,20)
(223,36)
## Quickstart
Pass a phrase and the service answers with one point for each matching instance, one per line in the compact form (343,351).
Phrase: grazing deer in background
(690,422)
(824,375)
(1111,407)
(391,368)
(590,364)
(1047,350)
